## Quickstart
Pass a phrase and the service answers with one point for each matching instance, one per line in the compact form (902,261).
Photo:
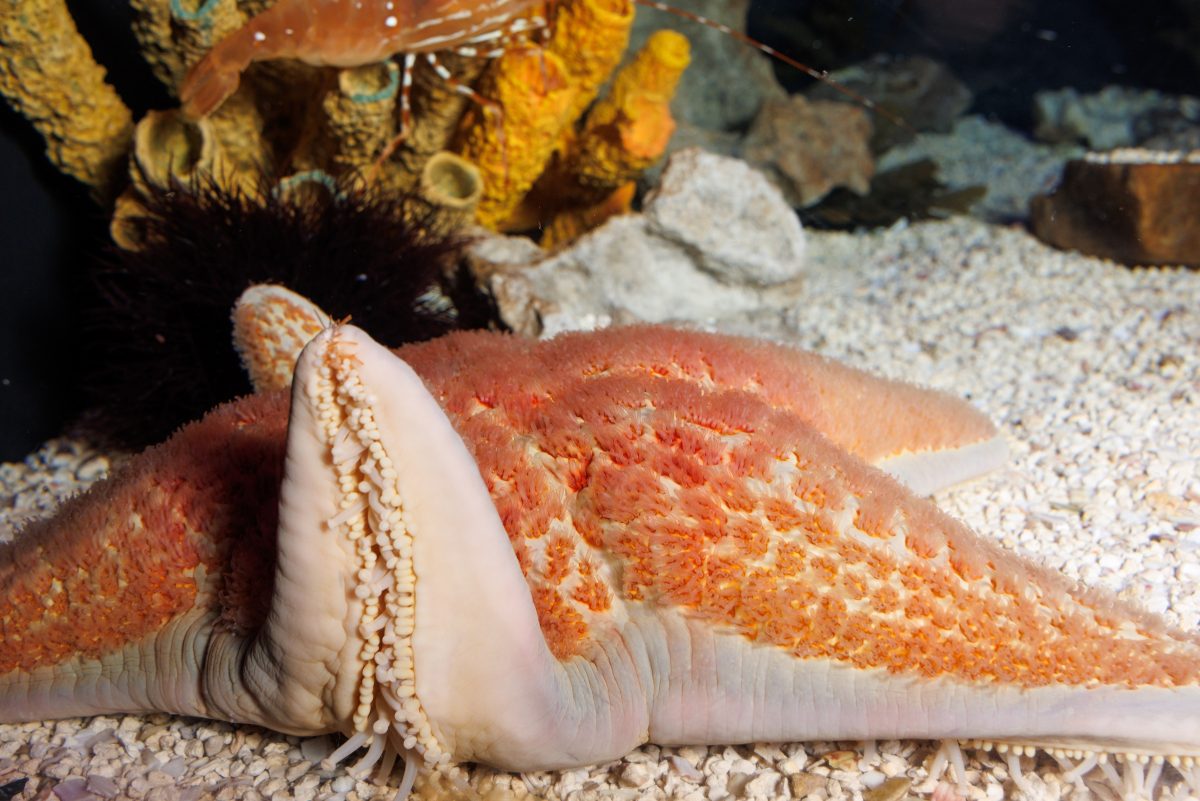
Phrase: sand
(1091,369)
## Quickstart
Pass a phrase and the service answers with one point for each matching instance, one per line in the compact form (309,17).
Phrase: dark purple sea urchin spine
(159,335)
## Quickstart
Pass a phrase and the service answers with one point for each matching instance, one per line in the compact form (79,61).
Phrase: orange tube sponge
(48,74)
(571,223)
(541,95)
(511,151)
(591,37)
(629,130)
(625,133)
(174,34)
(357,119)
(437,108)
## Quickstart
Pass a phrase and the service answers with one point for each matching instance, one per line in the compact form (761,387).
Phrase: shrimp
(349,33)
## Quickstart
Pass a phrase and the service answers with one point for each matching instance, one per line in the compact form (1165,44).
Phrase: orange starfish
(542,554)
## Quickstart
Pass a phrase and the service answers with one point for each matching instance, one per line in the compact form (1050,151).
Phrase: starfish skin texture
(538,555)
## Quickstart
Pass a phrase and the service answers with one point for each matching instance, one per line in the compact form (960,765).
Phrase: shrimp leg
(281,31)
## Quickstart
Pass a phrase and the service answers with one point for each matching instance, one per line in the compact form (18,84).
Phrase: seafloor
(1091,369)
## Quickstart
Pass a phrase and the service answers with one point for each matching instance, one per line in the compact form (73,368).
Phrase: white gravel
(1092,370)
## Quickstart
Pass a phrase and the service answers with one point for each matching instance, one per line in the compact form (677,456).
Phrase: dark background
(51,231)
(50,235)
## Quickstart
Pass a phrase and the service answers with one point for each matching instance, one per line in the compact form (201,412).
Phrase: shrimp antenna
(812,72)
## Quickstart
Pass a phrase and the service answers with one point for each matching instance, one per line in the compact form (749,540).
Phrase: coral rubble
(1116,116)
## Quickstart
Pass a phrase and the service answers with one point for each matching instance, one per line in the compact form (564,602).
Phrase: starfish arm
(781,587)
(114,605)
(271,325)
(926,438)
(926,471)
(713,686)
(845,607)
(391,604)
(159,672)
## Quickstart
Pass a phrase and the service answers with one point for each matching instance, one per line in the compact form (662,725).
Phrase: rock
(763,784)
(809,147)
(1117,116)
(803,784)
(890,790)
(712,238)
(1131,206)
(841,760)
(636,774)
(982,153)
(922,92)
(910,191)
(725,212)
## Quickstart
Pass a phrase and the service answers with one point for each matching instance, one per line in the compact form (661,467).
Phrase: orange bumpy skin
(542,554)
(193,522)
(695,462)
(270,329)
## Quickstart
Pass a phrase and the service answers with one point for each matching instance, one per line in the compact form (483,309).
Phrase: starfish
(539,555)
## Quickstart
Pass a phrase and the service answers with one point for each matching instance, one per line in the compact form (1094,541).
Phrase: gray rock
(1117,116)
(981,153)
(712,239)
(922,92)
(730,217)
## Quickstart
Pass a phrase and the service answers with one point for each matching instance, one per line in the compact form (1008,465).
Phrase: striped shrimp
(351,33)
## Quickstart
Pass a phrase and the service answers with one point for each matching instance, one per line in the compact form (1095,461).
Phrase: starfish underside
(539,555)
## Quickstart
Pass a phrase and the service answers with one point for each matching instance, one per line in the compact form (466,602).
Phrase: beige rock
(891,790)
(804,784)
